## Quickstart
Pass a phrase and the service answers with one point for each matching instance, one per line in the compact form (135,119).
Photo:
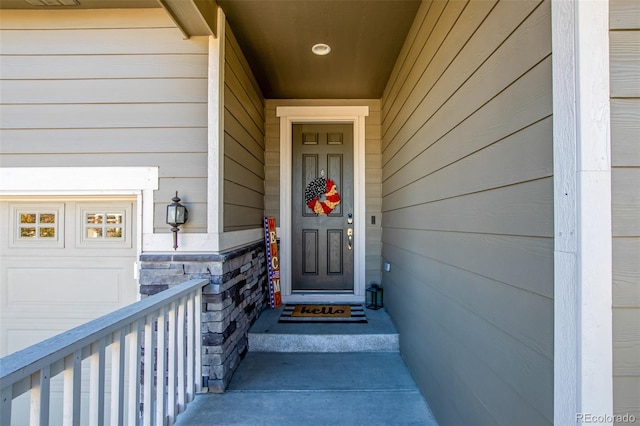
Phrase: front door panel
(322,253)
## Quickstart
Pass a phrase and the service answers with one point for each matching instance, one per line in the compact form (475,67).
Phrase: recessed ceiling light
(321,49)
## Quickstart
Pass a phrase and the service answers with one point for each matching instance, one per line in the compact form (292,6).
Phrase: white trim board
(201,242)
(215,135)
(323,114)
(24,180)
(583,381)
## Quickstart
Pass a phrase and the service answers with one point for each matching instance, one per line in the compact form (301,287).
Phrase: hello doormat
(323,313)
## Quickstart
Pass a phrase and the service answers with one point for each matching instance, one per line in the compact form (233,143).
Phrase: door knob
(350,238)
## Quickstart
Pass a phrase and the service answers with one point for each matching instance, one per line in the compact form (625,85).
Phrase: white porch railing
(151,349)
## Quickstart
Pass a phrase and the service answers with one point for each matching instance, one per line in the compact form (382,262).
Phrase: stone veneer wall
(237,293)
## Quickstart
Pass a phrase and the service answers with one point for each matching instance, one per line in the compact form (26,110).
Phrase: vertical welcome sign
(273,262)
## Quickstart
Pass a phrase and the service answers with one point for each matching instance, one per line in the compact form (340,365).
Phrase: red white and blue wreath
(321,196)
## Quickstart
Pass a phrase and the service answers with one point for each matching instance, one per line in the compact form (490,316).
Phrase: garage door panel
(53,284)
(26,330)
(21,337)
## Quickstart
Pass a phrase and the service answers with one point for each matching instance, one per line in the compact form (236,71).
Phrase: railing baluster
(191,331)
(161,367)
(133,394)
(173,364)
(198,340)
(40,388)
(117,377)
(180,349)
(6,398)
(96,383)
(149,376)
(72,387)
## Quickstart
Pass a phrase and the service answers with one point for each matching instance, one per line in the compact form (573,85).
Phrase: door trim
(323,114)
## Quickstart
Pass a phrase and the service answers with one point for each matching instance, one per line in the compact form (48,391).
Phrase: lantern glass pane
(171,214)
(180,214)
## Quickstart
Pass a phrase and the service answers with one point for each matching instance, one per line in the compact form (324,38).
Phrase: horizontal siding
(373,187)
(107,88)
(626,272)
(624,42)
(244,168)
(101,91)
(625,200)
(78,116)
(192,165)
(462,319)
(105,19)
(113,66)
(99,41)
(105,141)
(625,128)
(624,48)
(467,208)
(624,14)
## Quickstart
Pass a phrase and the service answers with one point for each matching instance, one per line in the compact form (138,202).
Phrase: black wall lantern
(374,297)
(177,215)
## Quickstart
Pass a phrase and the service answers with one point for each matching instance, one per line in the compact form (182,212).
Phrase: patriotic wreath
(321,196)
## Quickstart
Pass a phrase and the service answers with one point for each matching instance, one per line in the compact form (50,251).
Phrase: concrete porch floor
(296,384)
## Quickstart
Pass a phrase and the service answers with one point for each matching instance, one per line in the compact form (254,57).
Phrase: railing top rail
(21,364)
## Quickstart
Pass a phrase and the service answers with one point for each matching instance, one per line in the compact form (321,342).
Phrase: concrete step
(377,335)
(315,388)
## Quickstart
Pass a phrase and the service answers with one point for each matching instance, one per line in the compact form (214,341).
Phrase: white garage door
(63,263)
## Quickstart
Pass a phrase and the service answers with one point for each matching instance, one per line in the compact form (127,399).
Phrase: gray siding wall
(243,142)
(467,209)
(372,171)
(624,43)
(98,88)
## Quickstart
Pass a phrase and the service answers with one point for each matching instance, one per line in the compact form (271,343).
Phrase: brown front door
(322,247)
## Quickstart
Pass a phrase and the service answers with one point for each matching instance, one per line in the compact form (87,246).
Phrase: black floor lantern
(374,297)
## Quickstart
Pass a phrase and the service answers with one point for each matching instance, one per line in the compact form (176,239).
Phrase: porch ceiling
(276,37)
(365,37)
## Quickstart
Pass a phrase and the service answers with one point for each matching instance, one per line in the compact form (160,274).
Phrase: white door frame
(323,114)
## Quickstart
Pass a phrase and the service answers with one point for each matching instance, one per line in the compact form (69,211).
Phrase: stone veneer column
(237,293)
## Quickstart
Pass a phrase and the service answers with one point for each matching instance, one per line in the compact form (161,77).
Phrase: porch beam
(193,17)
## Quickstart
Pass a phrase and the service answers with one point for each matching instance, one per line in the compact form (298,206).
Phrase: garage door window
(37,226)
(104,227)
